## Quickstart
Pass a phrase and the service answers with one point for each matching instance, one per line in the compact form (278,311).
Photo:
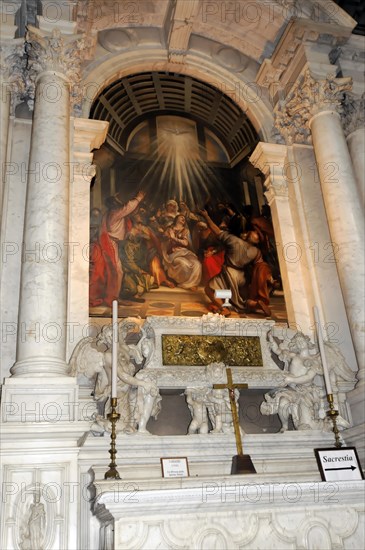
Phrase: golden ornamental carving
(196,350)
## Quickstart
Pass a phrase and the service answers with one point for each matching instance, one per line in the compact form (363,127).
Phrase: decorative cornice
(308,98)
(303,41)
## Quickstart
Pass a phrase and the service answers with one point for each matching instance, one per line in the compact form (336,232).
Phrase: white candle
(326,373)
(114,348)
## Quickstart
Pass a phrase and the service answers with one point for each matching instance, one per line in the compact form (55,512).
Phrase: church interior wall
(49,450)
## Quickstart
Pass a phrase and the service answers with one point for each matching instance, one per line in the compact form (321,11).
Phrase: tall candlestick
(114,348)
(326,373)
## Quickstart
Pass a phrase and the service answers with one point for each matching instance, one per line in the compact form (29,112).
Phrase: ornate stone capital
(56,53)
(353,114)
(12,66)
(306,99)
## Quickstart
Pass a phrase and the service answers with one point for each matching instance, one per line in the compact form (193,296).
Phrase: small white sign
(175,467)
(339,464)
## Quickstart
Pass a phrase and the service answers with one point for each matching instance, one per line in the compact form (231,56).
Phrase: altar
(284,501)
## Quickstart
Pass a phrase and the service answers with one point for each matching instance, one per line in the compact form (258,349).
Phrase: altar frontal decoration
(196,350)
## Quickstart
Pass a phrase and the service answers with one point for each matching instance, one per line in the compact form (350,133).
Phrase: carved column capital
(12,66)
(56,53)
(353,113)
(307,98)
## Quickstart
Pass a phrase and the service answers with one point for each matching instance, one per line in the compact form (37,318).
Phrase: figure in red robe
(106,269)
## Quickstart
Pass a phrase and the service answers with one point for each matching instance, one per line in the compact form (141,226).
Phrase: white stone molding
(279,457)
(302,41)
(307,98)
(246,513)
(86,135)
(272,160)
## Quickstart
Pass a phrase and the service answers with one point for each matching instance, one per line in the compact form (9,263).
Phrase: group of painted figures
(300,395)
(134,250)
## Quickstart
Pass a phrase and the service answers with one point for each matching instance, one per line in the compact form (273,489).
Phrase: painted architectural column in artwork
(313,106)
(42,323)
(271,159)
(354,127)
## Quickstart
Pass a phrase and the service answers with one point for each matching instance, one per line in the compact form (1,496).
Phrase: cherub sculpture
(138,398)
(196,399)
(220,411)
(303,397)
(210,404)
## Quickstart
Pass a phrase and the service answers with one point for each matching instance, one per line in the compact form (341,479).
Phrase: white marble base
(283,456)
(40,460)
(233,513)
(24,400)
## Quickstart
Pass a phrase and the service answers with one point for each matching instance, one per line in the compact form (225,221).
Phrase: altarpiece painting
(160,196)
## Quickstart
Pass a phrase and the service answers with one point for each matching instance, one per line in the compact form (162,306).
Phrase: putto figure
(138,398)
(303,398)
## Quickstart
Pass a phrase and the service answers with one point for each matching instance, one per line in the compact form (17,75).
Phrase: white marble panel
(12,238)
(236,512)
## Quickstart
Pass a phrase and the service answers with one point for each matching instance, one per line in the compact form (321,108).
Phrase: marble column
(353,122)
(356,145)
(41,346)
(42,322)
(345,217)
(308,114)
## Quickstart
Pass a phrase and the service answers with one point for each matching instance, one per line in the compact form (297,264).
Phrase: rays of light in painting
(178,171)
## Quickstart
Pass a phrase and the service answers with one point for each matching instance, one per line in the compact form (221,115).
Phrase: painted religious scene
(177,210)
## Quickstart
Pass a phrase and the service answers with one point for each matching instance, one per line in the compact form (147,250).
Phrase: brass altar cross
(231,387)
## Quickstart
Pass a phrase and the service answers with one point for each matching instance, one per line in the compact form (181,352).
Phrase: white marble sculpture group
(303,397)
(299,391)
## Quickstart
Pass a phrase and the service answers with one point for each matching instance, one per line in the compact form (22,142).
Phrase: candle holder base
(113,416)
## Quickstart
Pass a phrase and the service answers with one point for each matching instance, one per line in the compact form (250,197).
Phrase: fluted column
(41,343)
